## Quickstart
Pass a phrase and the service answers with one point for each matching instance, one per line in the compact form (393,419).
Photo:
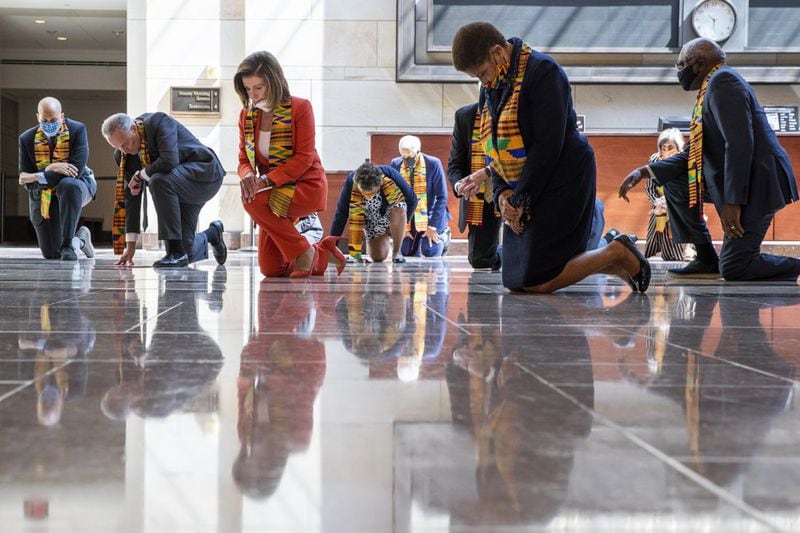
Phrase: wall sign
(194,101)
(782,118)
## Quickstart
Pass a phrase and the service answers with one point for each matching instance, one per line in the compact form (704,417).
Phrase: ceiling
(91,28)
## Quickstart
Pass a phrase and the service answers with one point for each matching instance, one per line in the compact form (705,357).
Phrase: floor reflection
(419,397)
(282,369)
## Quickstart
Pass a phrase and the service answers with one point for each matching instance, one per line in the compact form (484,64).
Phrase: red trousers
(279,242)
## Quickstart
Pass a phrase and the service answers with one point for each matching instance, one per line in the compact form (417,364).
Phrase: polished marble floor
(418,397)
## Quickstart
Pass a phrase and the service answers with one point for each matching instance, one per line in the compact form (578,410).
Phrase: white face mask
(263,106)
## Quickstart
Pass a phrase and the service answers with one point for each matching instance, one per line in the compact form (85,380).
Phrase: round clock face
(714,19)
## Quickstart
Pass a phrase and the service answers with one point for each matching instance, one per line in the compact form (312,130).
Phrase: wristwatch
(264,178)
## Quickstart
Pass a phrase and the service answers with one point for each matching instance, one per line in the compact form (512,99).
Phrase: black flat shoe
(642,279)
(172,261)
(398,260)
(218,244)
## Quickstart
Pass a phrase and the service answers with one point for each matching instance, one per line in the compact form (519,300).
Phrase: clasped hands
(512,216)
(250,185)
(471,185)
(63,168)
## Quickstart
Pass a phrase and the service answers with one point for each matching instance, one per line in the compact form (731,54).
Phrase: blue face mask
(50,128)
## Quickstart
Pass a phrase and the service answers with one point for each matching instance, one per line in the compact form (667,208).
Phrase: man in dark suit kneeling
(182,175)
(52,167)
(734,160)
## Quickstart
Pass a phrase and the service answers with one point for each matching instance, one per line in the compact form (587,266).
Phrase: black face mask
(686,77)
(410,161)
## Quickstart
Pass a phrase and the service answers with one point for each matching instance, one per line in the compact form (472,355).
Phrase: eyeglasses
(680,65)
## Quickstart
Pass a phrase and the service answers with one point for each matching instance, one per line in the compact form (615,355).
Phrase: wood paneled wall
(616,155)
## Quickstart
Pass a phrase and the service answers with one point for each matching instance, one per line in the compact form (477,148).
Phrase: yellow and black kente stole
(280,150)
(696,145)
(355,220)
(118,228)
(41,154)
(420,185)
(505,151)
(477,162)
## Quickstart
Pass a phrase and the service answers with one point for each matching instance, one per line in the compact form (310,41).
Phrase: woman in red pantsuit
(281,175)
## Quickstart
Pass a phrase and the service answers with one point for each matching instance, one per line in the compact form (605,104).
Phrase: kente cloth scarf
(118,228)
(418,180)
(280,150)
(696,145)
(503,144)
(355,238)
(41,154)
(477,162)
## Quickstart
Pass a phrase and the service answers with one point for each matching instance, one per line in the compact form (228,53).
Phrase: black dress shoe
(218,243)
(695,270)
(172,261)
(641,280)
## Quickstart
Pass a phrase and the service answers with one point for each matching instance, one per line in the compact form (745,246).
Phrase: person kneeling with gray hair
(182,175)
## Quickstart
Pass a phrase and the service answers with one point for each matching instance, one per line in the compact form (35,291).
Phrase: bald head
(704,49)
(49,105)
(49,111)
(698,57)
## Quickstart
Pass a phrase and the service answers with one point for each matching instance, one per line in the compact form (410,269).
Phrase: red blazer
(304,167)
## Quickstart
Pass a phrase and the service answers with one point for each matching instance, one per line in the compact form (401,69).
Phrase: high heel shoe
(311,270)
(329,244)
(320,260)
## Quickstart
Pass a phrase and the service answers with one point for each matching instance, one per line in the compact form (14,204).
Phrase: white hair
(116,122)
(410,142)
(671,134)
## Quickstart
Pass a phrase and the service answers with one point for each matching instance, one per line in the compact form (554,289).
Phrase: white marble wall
(341,55)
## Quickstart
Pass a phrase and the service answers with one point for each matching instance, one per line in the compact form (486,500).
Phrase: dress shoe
(68,254)
(85,236)
(398,259)
(641,281)
(695,270)
(172,260)
(215,239)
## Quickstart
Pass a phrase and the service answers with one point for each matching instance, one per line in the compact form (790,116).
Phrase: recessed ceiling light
(118,33)
(62,38)
(40,21)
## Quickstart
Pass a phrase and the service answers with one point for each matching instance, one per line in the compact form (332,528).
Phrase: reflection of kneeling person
(376,201)
(52,167)
(182,174)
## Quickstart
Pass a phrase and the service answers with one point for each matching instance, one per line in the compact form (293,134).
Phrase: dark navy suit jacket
(743,163)
(78,155)
(169,144)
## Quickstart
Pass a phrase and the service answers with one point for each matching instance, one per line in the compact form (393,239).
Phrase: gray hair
(671,134)
(410,142)
(116,122)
